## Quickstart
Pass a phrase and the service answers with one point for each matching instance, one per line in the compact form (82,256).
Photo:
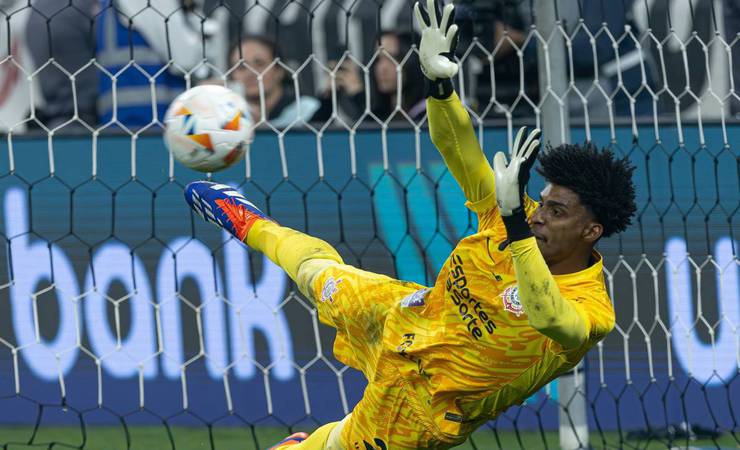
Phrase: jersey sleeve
(597,314)
(452,133)
(548,310)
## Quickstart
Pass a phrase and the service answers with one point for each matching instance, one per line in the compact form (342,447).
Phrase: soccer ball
(208,128)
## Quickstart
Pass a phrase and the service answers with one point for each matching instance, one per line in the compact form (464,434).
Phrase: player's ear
(592,231)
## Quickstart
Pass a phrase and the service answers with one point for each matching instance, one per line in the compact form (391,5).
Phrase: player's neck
(575,262)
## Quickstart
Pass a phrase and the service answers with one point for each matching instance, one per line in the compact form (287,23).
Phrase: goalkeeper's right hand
(512,177)
(438,40)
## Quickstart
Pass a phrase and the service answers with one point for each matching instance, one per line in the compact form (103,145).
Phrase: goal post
(552,58)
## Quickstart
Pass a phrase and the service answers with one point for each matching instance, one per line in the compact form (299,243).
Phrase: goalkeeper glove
(439,38)
(511,180)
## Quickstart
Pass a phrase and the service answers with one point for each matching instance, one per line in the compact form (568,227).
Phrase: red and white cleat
(223,206)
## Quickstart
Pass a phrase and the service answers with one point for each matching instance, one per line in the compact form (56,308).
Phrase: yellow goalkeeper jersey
(441,361)
(469,349)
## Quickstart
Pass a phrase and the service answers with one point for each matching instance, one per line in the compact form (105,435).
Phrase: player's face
(563,226)
(385,68)
(257,57)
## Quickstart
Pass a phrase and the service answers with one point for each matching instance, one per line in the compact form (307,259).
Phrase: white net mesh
(125,322)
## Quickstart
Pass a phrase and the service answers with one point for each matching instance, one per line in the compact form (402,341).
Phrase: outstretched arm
(548,312)
(449,123)
(452,133)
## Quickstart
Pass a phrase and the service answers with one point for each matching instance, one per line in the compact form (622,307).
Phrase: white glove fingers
(420,18)
(432,12)
(514,166)
(525,147)
(446,12)
(451,33)
(499,163)
(531,149)
(515,149)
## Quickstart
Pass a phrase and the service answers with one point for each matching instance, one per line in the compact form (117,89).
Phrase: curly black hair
(602,181)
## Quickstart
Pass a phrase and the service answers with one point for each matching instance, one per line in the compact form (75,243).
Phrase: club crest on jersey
(510,297)
(331,287)
(414,299)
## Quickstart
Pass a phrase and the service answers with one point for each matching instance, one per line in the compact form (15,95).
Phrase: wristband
(516,225)
(441,88)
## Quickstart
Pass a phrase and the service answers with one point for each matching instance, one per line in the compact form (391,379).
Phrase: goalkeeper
(515,305)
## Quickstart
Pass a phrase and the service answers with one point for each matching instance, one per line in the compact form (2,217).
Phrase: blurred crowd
(147,51)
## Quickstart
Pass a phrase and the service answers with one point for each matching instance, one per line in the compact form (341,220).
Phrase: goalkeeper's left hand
(438,40)
(439,36)
(512,178)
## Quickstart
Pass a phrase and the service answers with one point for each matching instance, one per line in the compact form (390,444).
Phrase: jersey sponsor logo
(415,299)
(510,297)
(408,341)
(471,310)
(331,288)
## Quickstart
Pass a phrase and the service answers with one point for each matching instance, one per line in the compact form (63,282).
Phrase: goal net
(127,322)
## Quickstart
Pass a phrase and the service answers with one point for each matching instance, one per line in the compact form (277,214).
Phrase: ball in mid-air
(208,128)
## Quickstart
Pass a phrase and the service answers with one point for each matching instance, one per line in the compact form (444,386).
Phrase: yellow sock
(288,248)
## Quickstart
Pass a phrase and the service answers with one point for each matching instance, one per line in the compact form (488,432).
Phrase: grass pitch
(260,438)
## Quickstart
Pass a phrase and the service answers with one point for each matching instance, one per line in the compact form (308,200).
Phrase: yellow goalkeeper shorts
(356,303)
(391,414)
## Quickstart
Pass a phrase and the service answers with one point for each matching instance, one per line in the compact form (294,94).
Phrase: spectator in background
(613,16)
(350,93)
(135,31)
(394,47)
(64,31)
(506,22)
(392,51)
(259,55)
(499,27)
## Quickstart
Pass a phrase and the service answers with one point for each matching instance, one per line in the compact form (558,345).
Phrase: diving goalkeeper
(515,305)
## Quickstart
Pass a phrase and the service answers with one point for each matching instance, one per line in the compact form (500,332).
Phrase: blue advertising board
(115,300)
